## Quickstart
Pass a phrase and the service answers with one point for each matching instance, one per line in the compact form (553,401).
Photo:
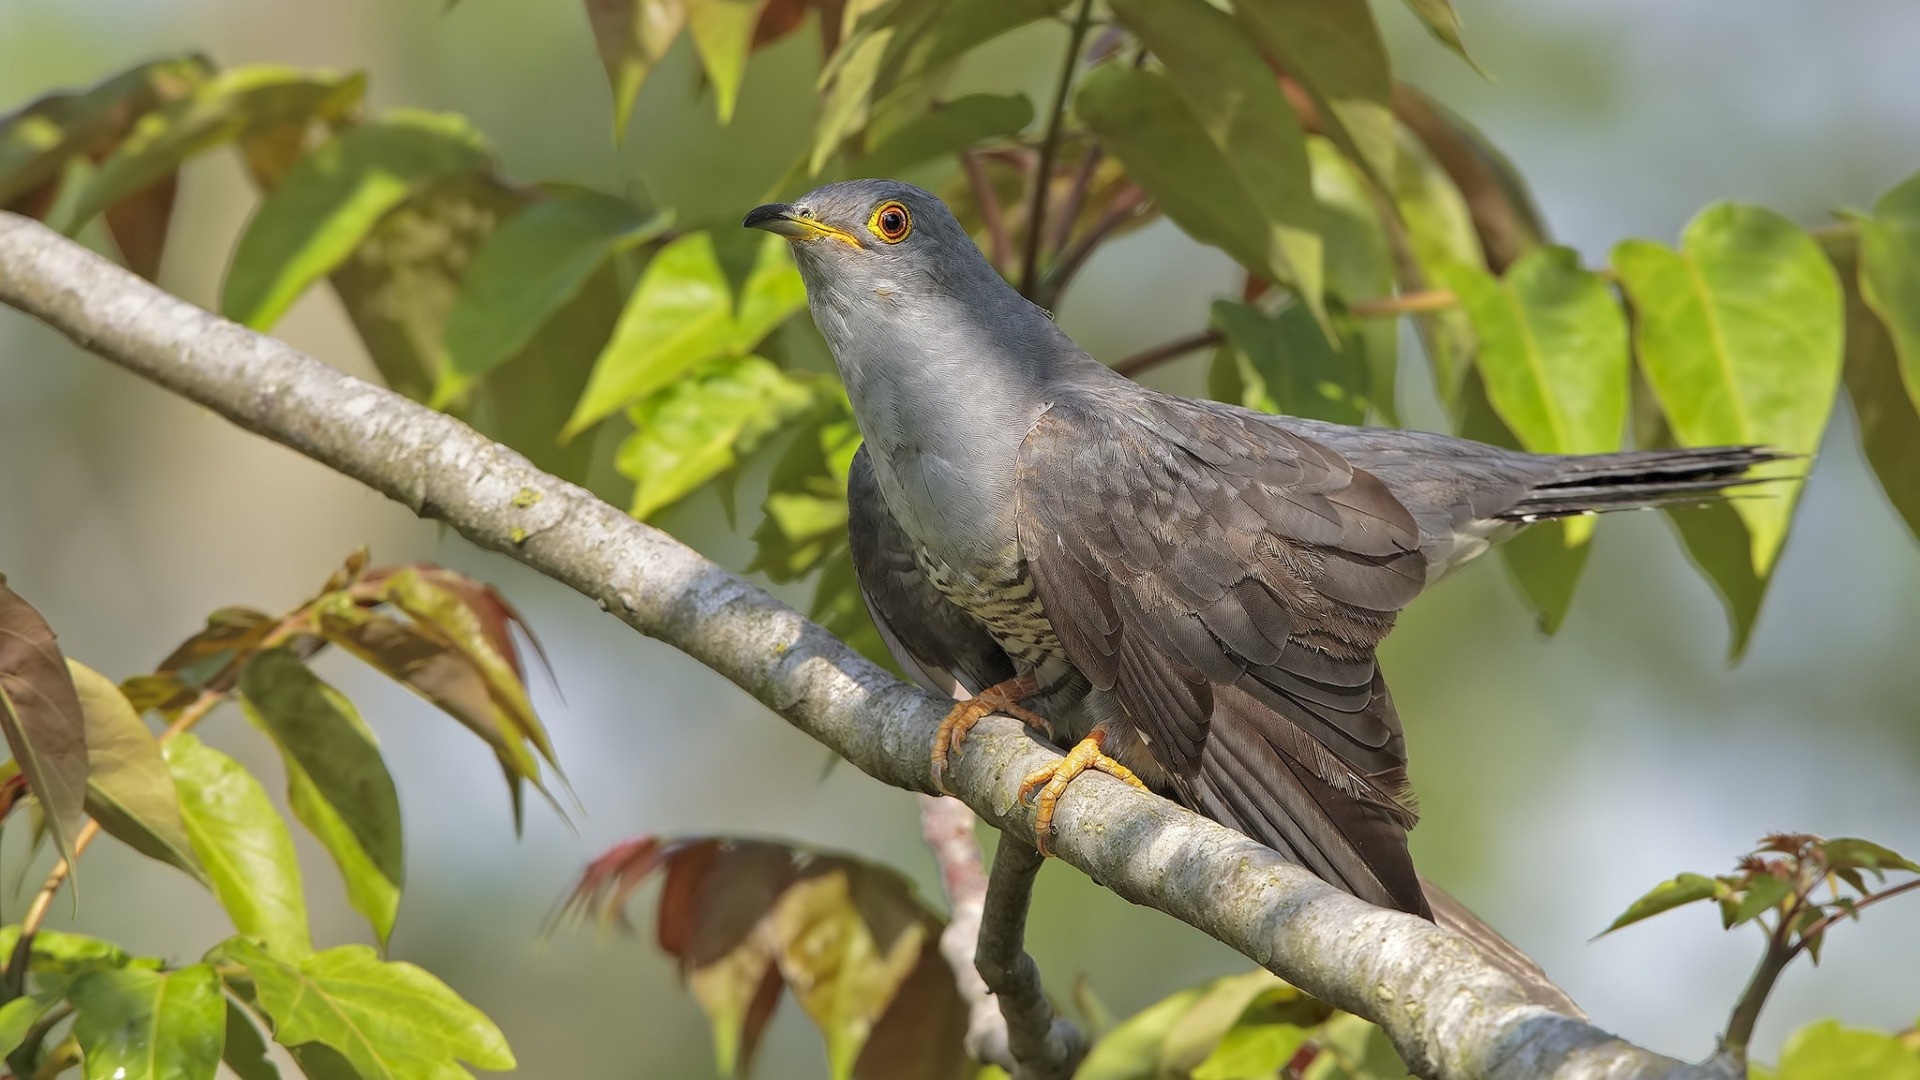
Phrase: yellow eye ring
(890,222)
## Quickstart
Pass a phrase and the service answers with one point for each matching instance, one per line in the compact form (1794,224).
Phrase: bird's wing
(938,645)
(1227,581)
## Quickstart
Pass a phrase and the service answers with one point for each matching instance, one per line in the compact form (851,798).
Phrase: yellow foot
(1002,698)
(1052,782)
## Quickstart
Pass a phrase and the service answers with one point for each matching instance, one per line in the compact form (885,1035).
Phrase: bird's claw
(1051,782)
(1001,698)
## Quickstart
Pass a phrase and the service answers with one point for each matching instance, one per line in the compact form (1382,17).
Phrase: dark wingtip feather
(1640,479)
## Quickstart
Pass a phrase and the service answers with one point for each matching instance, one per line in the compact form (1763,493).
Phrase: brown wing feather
(1227,581)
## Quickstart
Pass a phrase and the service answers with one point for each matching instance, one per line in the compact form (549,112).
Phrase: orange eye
(891,222)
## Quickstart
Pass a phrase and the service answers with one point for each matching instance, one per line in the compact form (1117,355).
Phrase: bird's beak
(782,219)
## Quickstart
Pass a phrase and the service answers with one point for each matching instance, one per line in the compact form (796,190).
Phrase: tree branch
(947,825)
(1450,1013)
(1049,150)
(1043,1047)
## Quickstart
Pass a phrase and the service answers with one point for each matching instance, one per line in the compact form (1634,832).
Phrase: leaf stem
(1050,149)
(1123,206)
(1421,302)
(1076,197)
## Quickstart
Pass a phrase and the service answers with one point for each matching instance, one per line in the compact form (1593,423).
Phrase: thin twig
(1049,150)
(1076,198)
(999,247)
(1040,1045)
(1814,931)
(947,825)
(1160,354)
(1746,1011)
(1123,206)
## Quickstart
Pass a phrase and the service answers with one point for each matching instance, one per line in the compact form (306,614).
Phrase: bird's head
(875,239)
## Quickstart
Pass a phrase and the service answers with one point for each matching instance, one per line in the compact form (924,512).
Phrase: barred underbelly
(1006,605)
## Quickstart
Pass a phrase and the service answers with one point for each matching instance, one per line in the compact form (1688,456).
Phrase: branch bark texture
(1451,1014)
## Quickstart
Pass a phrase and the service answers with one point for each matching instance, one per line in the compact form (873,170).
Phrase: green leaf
(242,842)
(129,790)
(935,34)
(246,1052)
(41,717)
(1360,266)
(530,267)
(1890,273)
(231,105)
(1851,851)
(1287,367)
(1131,1051)
(854,71)
(632,36)
(337,782)
(1440,232)
(949,128)
(1720,545)
(18,1016)
(1213,140)
(38,140)
(772,292)
(697,429)
(1763,894)
(1888,417)
(805,515)
(1355,1049)
(1739,333)
(1252,1052)
(1335,49)
(400,284)
(1684,889)
(1553,354)
(1825,1050)
(723,34)
(1218,1010)
(333,199)
(391,1021)
(525,401)
(1444,24)
(680,314)
(1546,560)
(1502,211)
(135,1024)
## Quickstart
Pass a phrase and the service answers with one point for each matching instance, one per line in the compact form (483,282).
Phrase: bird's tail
(1585,484)
(1503,954)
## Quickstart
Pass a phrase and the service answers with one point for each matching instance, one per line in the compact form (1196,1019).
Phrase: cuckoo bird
(1186,593)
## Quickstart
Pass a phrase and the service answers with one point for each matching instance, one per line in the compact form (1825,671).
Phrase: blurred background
(1560,777)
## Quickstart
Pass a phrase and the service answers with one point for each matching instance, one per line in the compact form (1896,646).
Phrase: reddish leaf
(39,140)
(782,17)
(475,620)
(139,225)
(924,1030)
(437,670)
(229,630)
(40,714)
(746,918)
